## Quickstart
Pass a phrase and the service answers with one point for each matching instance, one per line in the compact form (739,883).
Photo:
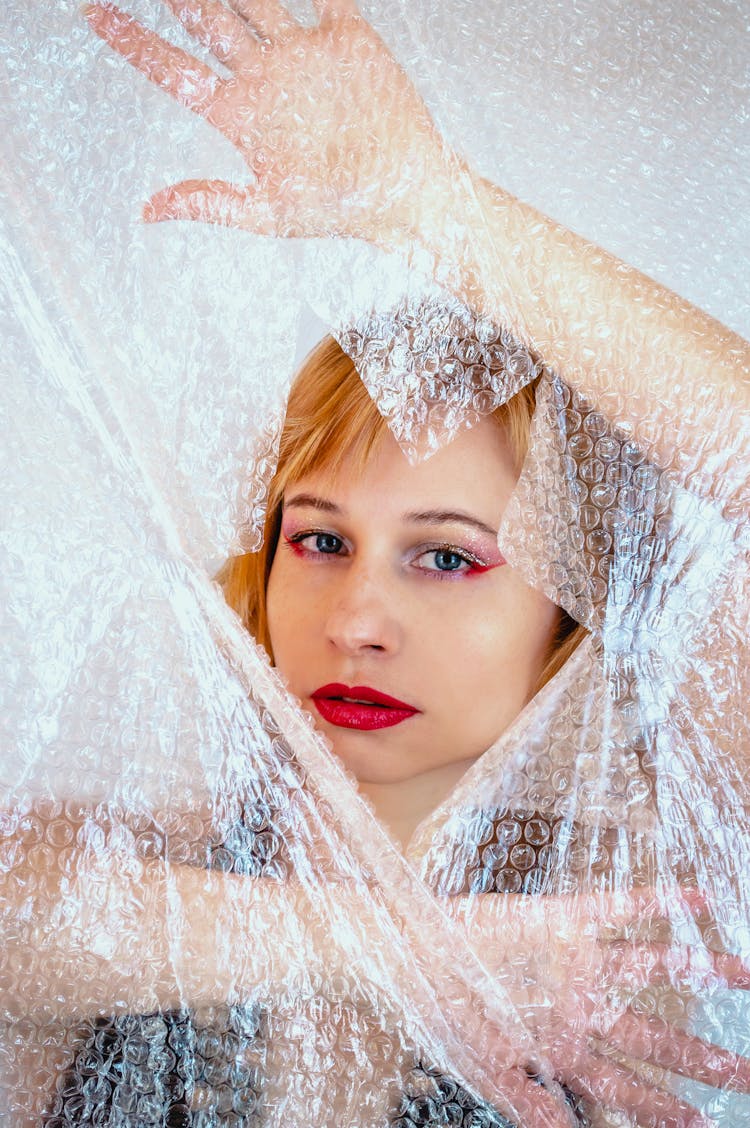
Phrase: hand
(338,139)
(145,932)
(574,977)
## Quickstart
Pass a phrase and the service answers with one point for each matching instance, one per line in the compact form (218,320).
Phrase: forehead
(475,470)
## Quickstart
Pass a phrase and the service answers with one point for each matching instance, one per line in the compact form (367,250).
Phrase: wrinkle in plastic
(202,921)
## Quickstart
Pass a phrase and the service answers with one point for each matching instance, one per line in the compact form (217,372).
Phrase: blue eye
(446,561)
(316,544)
(328,543)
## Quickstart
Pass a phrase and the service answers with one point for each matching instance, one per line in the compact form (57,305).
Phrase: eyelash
(476,566)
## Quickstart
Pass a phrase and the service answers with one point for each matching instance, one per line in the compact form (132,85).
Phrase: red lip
(371,710)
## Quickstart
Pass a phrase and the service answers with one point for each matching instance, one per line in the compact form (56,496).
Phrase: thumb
(216,201)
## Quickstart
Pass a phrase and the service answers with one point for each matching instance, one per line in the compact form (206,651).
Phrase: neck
(403,804)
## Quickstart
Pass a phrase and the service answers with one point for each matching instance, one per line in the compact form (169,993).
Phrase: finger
(638,965)
(211,201)
(269,19)
(651,1039)
(605,1082)
(644,905)
(229,205)
(647,899)
(224,34)
(331,10)
(189,81)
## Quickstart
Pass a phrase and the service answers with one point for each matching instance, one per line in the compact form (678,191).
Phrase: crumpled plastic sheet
(202,922)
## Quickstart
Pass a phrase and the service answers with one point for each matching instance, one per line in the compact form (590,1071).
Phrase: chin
(368,776)
(372,764)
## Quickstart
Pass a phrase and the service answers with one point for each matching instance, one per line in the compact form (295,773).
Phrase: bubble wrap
(203,919)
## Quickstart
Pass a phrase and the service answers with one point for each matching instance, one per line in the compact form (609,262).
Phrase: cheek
(292,616)
(280,615)
(497,647)
(534,628)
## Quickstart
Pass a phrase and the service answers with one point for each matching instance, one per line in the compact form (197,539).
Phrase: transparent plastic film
(375,566)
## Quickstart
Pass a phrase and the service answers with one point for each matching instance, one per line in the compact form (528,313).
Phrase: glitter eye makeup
(449,561)
(441,560)
(321,543)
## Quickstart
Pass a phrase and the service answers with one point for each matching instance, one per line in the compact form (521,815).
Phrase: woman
(379,572)
(344,590)
(474,234)
(335,444)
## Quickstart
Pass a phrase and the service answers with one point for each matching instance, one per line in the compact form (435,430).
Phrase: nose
(362,618)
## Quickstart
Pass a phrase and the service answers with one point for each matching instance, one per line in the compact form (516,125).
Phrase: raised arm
(341,144)
(635,349)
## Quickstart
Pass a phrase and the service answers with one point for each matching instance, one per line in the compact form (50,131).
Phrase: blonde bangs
(330,417)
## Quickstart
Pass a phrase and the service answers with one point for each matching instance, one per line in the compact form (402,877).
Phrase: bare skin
(480,239)
(412,602)
(135,936)
(124,907)
(401,187)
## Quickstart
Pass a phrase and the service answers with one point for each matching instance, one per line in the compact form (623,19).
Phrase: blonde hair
(331,416)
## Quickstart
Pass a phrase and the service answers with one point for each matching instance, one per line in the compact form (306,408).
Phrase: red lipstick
(359,707)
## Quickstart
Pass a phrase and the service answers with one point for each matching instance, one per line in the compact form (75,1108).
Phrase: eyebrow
(449,516)
(419,517)
(310,501)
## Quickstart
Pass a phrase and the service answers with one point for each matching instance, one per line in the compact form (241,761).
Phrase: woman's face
(390,582)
